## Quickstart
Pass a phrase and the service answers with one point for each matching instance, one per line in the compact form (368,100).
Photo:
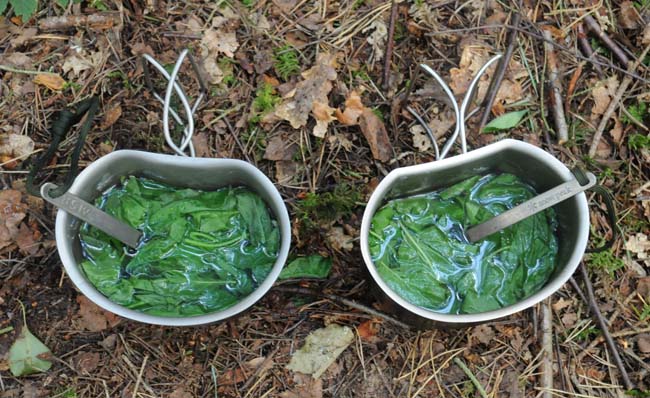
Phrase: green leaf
(313,266)
(24,8)
(27,352)
(202,251)
(420,250)
(3,5)
(505,122)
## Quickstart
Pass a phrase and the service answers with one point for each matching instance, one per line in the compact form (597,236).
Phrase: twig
(614,102)
(6,330)
(561,127)
(586,48)
(572,87)
(547,348)
(500,72)
(595,311)
(471,376)
(7,68)
(616,50)
(99,21)
(390,44)
(137,382)
(344,301)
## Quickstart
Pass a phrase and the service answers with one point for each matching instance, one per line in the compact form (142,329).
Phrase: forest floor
(300,90)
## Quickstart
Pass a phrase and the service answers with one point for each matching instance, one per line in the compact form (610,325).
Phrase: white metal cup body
(535,166)
(197,173)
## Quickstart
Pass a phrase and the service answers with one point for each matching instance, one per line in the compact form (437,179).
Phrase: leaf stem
(471,376)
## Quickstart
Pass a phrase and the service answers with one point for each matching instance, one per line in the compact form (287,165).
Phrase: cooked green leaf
(420,250)
(203,251)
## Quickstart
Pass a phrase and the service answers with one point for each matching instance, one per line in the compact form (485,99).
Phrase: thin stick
(137,382)
(547,348)
(595,311)
(593,26)
(6,330)
(344,301)
(471,376)
(390,44)
(561,127)
(500,72)
(586,48)
(8,68)
(622,89)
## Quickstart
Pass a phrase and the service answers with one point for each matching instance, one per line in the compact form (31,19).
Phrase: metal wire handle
(173,86)
(459,112)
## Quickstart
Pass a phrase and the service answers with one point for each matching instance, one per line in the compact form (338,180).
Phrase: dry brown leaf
(639,245)
(13,212)
(377,39)
(86,362)
(81,61)
(473,57)
(28,239)
(201,144)
(310,92)
(569,319)
(280,147)
(368,330)
(561,304)
(305,387)
(94,318)
(375,132)
(15,146)
(111,116)
(239,374)
(484,334)
(180,392)
(220,38)
(285,171)
(338,139)
(353,109)
(643,342)
(323,114)
(602,93)
(339,239)
(645,38)
(421,140)
(628,16)
(50,80)
(617,131)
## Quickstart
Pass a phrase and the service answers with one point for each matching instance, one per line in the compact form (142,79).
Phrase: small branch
(561,127)
(390,44)
(622,89)
(98,21)
(500,73)
(471,376)
(572,87)
(586,48)
(343,301)
(593,26)
(6,330)
(8,68)
(547,349)
(595,311)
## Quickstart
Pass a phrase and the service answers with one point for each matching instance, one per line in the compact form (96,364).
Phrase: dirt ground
(300,89)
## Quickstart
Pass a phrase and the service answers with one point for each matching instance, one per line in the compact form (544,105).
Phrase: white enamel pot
(536,167)
(197,173)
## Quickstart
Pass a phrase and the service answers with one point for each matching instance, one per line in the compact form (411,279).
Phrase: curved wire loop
(173,87)
(459,112)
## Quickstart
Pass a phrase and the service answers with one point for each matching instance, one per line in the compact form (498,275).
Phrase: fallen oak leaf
(15,146)
(353,110)
(94,318)
(375,132)
(299,103)
(50,80)
(323,114)
(111,116)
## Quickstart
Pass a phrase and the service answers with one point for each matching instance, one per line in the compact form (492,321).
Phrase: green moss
(322,208)
(286,62)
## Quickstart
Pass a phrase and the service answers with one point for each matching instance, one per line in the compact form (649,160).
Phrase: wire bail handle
(459,112)
(173,86)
